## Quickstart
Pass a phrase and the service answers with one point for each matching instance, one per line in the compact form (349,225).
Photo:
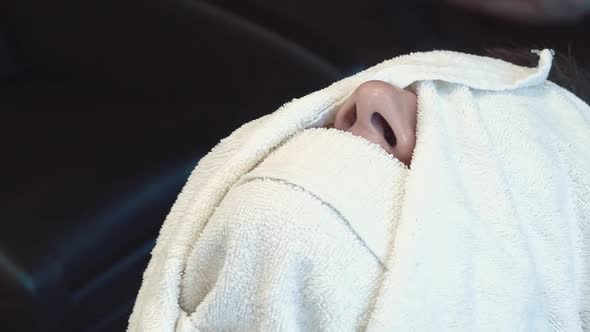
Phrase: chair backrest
(205,69)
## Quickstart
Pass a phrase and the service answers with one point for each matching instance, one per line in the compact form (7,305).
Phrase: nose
(383,114)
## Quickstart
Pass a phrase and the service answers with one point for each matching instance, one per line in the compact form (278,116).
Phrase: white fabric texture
(311,260)
(284,226)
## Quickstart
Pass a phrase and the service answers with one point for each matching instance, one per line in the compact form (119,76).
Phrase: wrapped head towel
(488,231)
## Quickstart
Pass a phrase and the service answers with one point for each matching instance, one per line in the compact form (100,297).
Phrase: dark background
(106,106)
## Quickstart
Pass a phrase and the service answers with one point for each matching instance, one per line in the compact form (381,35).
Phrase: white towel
(493,232)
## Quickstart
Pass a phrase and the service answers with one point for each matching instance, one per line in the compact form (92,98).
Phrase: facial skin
(383,114)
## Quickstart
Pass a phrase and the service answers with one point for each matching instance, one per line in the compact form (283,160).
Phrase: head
(386,115)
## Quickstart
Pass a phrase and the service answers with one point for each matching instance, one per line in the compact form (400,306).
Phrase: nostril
(388,133)
(390,136)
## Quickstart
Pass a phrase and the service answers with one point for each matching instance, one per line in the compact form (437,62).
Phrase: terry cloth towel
(488,231)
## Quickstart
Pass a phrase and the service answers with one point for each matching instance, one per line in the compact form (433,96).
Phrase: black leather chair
(115,104)
(87,279)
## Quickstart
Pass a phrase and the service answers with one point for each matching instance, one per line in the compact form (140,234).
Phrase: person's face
(383,114)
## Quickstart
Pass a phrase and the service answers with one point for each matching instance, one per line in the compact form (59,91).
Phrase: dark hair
(565,71)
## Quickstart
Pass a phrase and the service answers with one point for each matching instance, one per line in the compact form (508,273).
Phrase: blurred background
(106,107)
